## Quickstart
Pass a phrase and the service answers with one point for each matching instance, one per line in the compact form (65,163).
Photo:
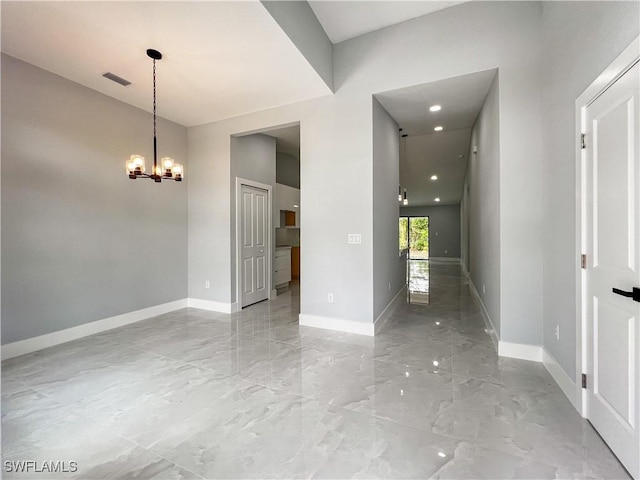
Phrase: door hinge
(584,380)
(583,260)
(583,145)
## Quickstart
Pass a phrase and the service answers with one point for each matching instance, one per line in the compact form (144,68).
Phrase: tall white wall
(336,194)
(581,39)
(337,159)
(389,270)
(81,241)
(481,204)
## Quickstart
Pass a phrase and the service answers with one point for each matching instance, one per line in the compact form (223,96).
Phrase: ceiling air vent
(117,79)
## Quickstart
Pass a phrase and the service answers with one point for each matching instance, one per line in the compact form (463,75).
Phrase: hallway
(195,394)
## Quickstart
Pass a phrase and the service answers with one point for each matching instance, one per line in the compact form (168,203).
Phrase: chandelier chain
(154,97)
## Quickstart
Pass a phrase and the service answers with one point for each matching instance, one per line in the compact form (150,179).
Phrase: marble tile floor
(197,394)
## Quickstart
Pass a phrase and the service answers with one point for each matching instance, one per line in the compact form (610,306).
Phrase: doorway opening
(416,241)
(267,159)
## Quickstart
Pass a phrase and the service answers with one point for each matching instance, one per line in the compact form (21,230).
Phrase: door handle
(634,293)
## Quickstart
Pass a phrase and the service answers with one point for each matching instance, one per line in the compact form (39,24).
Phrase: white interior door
(253,240)
(613,251)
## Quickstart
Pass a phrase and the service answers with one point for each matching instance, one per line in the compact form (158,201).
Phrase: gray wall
(336,136)
(591,35)
(253,157)
(388,268)
(287,170)
(470,37)
(444,228)
(481,203)
(80,241)
(303,28)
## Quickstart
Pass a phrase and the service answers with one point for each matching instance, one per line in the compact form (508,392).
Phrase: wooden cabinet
(295,262)
(290,218)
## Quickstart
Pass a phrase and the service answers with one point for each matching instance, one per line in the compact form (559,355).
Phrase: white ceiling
(221,59)
(434,154)
(342,20)
(426,152)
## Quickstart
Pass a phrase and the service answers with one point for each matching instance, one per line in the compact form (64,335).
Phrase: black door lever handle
(634,293)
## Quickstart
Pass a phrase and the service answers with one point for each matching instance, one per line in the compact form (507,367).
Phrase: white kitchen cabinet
(282,266)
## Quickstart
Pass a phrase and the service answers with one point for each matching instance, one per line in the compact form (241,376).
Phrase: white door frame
(614,71)
(269,189)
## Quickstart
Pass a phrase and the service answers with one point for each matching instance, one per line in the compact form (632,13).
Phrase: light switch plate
(354,238)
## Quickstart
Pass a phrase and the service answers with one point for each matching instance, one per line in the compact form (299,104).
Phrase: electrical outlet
(484,289)
(330,297)
(558,333)
(446,251)
(207,284)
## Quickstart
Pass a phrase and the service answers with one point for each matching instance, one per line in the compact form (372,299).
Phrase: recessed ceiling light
(435,108)
(438,128)
(296,206)
(437,199)
(434,177)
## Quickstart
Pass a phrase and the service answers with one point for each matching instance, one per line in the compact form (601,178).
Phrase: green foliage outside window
(404,233)
(416,231)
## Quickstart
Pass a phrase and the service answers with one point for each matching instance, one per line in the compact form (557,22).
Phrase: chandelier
(167,168)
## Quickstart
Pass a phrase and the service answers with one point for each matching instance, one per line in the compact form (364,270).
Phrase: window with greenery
(419,237)
(403,233)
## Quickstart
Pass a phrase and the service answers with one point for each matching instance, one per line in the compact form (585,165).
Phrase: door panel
(248,280)
(614,360)
(254,230)
(613,175)
(247,219)
(261,276)
(261,209)
(612,203)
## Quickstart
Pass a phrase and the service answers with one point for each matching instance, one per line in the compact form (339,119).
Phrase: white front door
(254,242)
(612,199)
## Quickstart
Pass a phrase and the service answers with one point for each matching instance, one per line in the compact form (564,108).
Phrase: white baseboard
(522,351)
(455,260)
(29,345)
(381,321)
(212,305)
(536,353)
(485,316)
(564,381)
(339,324)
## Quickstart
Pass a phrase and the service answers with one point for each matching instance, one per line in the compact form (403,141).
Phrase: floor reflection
(418,281)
